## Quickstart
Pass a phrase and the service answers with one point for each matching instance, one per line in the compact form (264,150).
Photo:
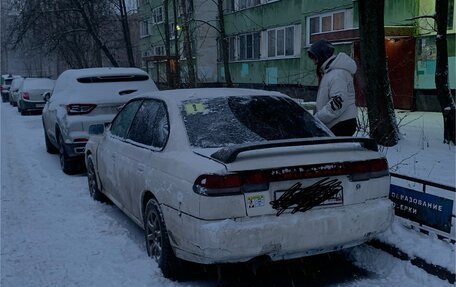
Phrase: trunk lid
(299,178)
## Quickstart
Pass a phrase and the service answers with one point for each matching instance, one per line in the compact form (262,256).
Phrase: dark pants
(345,128)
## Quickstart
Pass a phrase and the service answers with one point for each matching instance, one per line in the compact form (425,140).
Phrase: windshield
(224,121)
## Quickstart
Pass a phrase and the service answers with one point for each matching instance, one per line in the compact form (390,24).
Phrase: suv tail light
(258,180)
(26,96)
(80,109)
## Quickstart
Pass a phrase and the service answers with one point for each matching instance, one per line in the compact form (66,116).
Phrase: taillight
(26,96)
(212,184)
(80,140)
(80,109)
(369,169)
(259,180)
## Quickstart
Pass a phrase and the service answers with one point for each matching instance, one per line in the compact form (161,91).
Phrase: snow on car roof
(180,95)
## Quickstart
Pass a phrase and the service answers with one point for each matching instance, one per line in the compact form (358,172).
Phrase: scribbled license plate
(39,105)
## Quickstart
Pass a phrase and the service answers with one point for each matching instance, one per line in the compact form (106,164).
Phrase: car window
(121,123)
(223,121)
(150,126)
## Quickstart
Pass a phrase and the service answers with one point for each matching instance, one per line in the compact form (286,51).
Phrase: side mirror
(47,96)
(97,129)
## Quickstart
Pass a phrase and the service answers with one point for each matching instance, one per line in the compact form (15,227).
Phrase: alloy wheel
(154,236)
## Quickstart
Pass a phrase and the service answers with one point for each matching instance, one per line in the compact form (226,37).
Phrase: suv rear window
(8,81)
(223,121)
(111,79)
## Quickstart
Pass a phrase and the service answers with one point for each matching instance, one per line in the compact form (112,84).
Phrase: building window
(159,50)
(236,5)
(329,22)
(158,15)
(244,47)
(144,28)
(281,42)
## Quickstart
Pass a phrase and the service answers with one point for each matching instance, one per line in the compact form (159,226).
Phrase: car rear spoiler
(229,154)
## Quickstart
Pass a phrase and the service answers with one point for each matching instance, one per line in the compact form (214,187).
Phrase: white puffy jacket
(336,94)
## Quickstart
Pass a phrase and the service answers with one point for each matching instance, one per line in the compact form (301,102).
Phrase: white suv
(82,98)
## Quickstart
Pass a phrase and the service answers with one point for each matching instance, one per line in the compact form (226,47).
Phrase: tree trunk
(188,45)
(126,32)
(176,48)
(169,76)
(92,31)
(375,85)
(224,44)
(441,73)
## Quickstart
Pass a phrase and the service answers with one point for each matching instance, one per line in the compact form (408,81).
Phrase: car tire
(23,112)
(94,191)
(19,108)
(66,163)
(157,241)
(50,148)
(14,104)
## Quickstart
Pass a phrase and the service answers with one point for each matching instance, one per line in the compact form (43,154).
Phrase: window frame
(157,12)
(150,147)
(118,114)
(348,22)
(284,43)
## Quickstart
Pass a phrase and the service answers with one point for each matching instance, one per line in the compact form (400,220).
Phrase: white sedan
(228,175)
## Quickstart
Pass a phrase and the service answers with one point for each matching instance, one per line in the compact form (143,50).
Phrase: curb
(432,269)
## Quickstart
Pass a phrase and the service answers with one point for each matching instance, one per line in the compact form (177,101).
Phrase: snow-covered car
(30,96)
(82,98)
(228,175)
(15,90)
(5,86)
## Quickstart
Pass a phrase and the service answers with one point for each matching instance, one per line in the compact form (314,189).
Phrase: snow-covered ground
(54,234)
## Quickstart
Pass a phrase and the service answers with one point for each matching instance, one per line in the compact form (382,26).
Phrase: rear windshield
(111,79)
(38,84)
(223,121)
(8,81)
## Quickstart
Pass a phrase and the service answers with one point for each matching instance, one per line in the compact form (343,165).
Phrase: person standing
(335,105)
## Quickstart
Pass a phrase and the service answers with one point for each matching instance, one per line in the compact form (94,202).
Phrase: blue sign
(427,209)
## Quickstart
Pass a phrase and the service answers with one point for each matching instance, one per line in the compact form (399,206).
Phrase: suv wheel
(50,148)
(157,241)
(65,162)
(94,191)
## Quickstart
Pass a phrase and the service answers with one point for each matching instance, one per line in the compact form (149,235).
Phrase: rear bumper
(284,237)
(28,105)
(75,150)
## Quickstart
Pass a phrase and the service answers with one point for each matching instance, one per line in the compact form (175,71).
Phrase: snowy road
(54,234)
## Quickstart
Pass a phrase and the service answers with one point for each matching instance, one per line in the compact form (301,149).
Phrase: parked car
(5,86)
(82,98)
(228,175)
(31,94)
(16,85)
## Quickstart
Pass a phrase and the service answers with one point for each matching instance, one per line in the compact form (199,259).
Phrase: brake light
(80,109)
(80,140)
(26,96)
(259,180)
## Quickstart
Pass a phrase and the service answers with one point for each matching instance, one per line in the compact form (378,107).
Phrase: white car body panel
(217,229)
(105,95)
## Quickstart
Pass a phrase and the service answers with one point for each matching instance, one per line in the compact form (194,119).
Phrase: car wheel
(94,191)
(23,112)
(50,148)
(157,241)
(19,108)
(65,162)
(14,103)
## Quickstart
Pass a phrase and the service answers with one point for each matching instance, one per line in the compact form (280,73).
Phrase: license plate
(301,198)
(40,105)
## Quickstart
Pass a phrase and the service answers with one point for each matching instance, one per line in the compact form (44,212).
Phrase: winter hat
(321,50)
